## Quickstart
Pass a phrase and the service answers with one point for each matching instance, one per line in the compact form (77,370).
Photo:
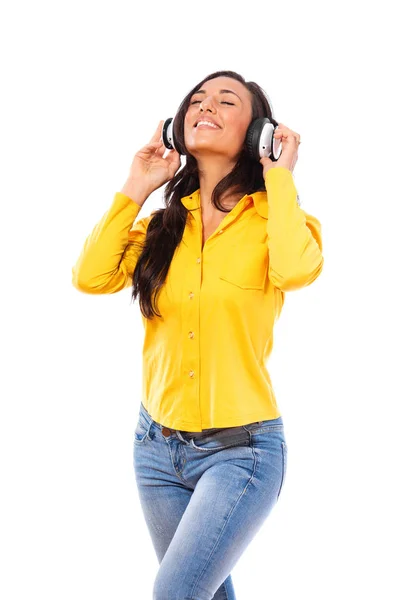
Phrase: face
(230,112)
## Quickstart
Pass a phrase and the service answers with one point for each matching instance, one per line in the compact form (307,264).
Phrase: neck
(211,171)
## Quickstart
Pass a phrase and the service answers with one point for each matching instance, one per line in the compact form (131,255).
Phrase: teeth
(207,123)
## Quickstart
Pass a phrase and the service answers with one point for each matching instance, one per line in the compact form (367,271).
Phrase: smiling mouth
(202,126)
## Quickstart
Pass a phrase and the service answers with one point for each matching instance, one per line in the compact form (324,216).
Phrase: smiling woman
(211,270)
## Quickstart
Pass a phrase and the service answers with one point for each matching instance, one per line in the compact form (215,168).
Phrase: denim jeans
(204,496)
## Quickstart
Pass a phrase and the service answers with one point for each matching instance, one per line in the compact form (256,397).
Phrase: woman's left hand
(290,144)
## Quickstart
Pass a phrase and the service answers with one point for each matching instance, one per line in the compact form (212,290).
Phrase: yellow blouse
(204,361)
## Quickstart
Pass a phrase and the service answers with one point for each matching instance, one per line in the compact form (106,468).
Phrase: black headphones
(259,141)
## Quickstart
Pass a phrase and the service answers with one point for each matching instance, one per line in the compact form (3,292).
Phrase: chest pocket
(246,267)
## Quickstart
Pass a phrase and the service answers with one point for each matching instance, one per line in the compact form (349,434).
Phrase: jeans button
(165,431)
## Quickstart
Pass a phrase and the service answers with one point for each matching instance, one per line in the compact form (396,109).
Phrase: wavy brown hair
(166,226)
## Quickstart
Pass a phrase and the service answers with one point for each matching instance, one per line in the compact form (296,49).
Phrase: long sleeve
(294,236)
(110,252)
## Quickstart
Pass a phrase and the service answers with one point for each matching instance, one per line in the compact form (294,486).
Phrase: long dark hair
(166,226)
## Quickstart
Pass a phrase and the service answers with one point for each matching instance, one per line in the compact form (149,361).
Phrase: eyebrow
(220,91)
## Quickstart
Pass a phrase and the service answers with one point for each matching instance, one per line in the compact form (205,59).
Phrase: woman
(211,271)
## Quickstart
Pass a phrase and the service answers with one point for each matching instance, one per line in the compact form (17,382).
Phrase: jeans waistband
(146,416)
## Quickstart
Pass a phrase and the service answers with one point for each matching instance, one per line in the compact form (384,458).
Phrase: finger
(173,157)
(281,135)
(289,135)
(283,129)
(285,132)
(151,148)
(160,149)
(158,132)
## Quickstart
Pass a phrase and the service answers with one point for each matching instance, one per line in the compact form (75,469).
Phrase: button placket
(194,259)
(190,321)
(191,333)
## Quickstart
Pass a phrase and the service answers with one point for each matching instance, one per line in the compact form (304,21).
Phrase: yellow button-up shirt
(204,360)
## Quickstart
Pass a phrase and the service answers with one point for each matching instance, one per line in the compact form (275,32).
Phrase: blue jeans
(204,496)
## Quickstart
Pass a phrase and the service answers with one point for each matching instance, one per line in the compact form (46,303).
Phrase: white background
(84,85)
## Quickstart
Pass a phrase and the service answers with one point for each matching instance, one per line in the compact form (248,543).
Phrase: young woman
(211,271)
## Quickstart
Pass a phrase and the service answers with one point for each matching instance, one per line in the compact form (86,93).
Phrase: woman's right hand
(149,169)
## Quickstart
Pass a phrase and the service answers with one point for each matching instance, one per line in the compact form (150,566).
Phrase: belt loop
(178,433)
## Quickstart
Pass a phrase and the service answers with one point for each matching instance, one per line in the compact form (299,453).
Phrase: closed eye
(223,102)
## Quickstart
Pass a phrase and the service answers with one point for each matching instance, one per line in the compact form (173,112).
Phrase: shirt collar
(259,200)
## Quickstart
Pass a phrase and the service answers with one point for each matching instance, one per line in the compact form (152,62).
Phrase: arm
(110,252)
(294,236)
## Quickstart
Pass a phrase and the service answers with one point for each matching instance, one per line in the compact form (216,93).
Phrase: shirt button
(191,334)
(199,260)
(220,231)
(191,295)
(191,373)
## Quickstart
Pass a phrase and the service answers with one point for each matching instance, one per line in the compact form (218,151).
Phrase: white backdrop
(84,87)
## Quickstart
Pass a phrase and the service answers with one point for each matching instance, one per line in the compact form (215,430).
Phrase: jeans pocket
(141,431)
(284,466)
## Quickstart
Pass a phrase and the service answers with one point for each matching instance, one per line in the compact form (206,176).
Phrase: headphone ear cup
(167,135)
(252,139)
(259,139)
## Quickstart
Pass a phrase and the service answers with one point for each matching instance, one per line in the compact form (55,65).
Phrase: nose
(207,104)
